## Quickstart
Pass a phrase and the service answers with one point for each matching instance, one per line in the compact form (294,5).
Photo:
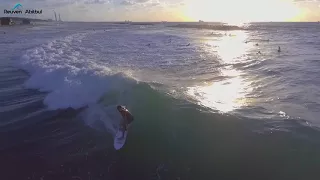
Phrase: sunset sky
(233,11)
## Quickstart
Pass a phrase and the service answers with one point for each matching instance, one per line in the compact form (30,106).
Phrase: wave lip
(62,68)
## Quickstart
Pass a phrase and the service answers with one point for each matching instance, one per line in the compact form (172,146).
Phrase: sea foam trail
(69,73)
(102,118)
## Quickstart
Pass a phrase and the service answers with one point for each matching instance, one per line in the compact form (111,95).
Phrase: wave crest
(63,69)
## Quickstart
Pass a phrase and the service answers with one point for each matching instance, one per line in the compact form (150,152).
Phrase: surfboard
(119,141)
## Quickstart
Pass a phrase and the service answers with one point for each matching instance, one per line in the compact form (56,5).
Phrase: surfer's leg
(124,129)
(123,133)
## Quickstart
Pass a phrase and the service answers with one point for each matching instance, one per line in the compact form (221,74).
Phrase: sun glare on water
(230,93)
(224,96)
(236,11)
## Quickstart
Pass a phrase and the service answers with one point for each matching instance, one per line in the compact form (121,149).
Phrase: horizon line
(126,21)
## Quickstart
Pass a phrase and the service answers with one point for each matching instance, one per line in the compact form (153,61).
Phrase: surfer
(127,118)
(279,49)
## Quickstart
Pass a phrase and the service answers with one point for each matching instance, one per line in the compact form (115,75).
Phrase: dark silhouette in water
(257,44)
(188,44)
(149,45)
(246,42)
(259,52)
(279,49)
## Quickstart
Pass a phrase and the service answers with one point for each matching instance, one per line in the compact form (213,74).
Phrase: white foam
(108,116)
(65,70)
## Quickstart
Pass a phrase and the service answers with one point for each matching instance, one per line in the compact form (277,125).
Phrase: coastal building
(5,21)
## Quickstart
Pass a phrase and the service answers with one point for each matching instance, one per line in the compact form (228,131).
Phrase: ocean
(208,104)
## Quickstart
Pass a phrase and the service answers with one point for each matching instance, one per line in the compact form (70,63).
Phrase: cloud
(59,3)
(96,1)
(307,1)
(127,3)
(173,4)
(144,3)
(154,4)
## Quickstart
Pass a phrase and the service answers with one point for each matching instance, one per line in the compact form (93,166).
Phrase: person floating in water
(279,49)
(258,52)
(188,44)
(127,118)
(257,44)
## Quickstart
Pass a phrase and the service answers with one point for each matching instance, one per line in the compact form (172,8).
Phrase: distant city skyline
(232,11)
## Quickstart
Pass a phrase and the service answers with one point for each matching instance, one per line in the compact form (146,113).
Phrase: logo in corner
(17,6)
(17,9)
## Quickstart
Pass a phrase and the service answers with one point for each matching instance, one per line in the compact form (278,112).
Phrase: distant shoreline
(170,22)
(208,26)
(137,22)
(23,18)
(19,22)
